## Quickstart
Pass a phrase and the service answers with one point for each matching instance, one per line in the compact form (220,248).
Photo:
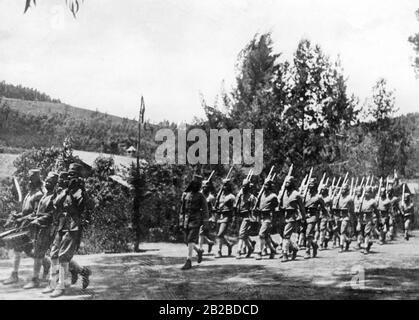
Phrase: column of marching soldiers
(309,215)
(50,220)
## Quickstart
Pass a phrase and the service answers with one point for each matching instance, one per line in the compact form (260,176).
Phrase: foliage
(24,93)
(414,40)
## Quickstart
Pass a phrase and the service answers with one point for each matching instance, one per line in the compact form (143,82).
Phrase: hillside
(40,108)
(33,124)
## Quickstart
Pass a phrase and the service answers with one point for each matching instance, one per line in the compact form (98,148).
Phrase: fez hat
(290,179)
(368,190)
(246,183)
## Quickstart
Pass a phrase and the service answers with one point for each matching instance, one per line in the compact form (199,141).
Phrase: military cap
(75,168)
(35,174)
(246,183)
(290,179)
(226,181)
(368,190)
(197,177)
(63,175)
(345,187)
(312,182)
(206,183)
(52,176)
(406,194)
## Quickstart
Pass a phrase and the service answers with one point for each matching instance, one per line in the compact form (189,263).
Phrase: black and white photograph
(204,150)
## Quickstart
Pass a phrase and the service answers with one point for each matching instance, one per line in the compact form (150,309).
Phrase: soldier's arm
(300,204)
(205,214)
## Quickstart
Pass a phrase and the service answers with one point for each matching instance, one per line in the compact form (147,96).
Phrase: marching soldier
(244,205)
(343,210)
(193,214)
(368,210)
(225,209)
(292,206)
(266,209)
(407,210)
(313,204)
(29,207)
(42,228)
(74,268)
(358,216)
(335,223)
(68,235)
(324,218)
(207,191)
(394,211)
(383,208)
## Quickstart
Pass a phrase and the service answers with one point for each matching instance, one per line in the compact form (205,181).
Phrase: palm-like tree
(73,5)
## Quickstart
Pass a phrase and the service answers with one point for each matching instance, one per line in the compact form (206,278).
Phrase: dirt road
(390,272)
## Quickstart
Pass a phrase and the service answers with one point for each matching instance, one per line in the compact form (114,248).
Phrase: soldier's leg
(391,227)
(407,228)
(14,278)
(322,232)
(69,243)
(344,236)
(53,278)
(310,232)
(222,230)
(287,245)
(368,233)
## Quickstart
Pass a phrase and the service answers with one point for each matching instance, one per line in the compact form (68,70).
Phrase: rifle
(308,181)
(19,191)
(210,177)
(336,188)
(362,182)
(331,186)
(403,191)
(261,189)
(239,195)
(379,189)
(322,183)
(352,186)
(289,174)
(217,200)
(341,187)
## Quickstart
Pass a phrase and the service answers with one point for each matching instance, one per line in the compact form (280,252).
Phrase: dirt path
(390,272)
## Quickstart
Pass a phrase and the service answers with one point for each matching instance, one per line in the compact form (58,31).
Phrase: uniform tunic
(267,206)
(292,206)
(246,203)
(314,204)
(43,232)
(71,205)
(369,208)
(225,210)
(384,209)
(344,210)
(194,212)
(29,206)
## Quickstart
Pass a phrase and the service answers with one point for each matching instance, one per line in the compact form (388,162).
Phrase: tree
(391,139)
(414,40)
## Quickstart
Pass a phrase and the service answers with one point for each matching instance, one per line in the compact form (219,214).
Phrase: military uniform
(292,207)
(29,207)
(324,222)
(383,208)
(193,214)
(407,211)
(344,210)
(313,204)
(358,218)
(368,211)
(225,211)
(246,204)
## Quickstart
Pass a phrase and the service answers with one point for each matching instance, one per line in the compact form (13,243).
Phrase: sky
(171,51)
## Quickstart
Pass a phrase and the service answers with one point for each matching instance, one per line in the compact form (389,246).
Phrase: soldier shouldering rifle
(314,213)
(50,221)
